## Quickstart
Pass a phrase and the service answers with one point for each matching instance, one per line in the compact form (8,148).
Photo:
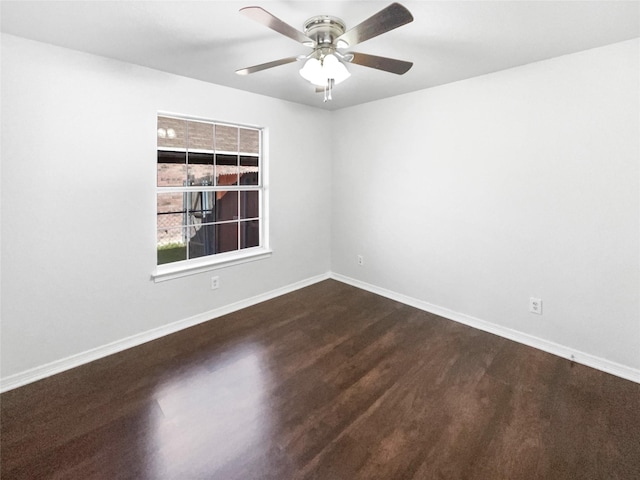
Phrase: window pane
(201,207)
(200,135)
(226,170)
(226,237)
(171,245)
(249,140)
(226,138)
(171,233)
(249,234)
(172,169)
(226,206)
(168,236)
(172,132)
(200,168)
(249,204)
(169,222)
(202,241)
(248,170)
(249,161)
(170,203)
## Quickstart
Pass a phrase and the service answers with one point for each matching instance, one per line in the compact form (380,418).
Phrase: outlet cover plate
(535,305)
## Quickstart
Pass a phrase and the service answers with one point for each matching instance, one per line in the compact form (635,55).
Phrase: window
(210,192)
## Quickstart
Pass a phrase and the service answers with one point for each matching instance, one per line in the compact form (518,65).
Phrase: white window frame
(215,261)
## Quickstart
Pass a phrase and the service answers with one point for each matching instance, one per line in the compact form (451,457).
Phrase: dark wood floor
(329,382)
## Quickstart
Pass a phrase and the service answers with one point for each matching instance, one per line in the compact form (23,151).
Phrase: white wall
(477,195)
(472,196)
(78,199)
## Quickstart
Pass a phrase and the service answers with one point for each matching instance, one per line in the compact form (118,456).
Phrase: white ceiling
(209,40)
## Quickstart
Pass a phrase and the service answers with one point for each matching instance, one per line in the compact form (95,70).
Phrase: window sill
(192,267)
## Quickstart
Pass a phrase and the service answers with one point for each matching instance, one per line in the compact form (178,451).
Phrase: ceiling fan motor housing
(324,30)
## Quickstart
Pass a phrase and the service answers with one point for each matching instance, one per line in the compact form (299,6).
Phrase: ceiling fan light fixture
(318,72)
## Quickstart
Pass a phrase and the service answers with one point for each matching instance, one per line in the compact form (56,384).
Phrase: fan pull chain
(328,89)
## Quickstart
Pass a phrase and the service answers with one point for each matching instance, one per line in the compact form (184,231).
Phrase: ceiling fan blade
(387,64)
(260,15)
(393,16)
(264,66)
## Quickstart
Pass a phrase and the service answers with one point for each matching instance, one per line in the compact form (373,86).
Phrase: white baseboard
(583,358)
(58,366)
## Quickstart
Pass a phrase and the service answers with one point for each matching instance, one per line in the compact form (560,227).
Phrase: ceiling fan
(325,66)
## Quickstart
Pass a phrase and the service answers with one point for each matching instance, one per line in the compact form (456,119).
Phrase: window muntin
(209,189)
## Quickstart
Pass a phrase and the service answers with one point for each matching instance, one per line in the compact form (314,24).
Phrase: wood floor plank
(328,382)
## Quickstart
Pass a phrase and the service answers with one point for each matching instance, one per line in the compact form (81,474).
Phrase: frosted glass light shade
(333,68)
(312,72)
(319,73)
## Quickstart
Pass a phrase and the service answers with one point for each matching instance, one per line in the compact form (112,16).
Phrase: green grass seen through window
(171,253)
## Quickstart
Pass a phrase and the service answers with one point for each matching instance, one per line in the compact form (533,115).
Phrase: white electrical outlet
(535,305)
(215,283)
(360,260)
